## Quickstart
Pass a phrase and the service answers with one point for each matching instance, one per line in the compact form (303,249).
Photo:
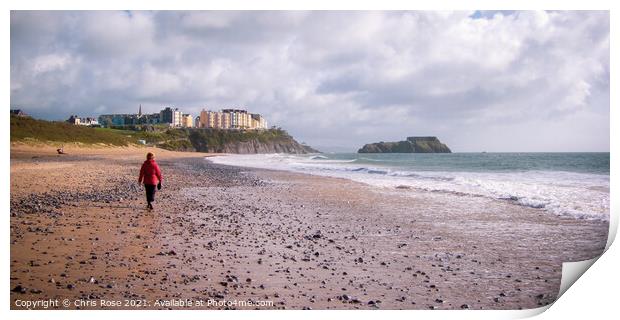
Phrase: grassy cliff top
(25,129)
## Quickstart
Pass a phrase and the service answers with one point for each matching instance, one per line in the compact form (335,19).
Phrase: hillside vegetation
(24,129)
(177,139)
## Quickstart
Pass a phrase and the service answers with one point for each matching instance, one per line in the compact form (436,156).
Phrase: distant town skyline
(225,118)
(478,80)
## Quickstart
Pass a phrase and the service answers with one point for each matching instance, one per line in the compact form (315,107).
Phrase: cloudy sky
(494,81)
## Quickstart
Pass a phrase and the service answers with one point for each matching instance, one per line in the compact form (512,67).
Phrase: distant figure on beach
(61,150)
(151,176)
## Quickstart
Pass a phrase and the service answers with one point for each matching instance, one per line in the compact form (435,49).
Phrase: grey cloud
(371,75)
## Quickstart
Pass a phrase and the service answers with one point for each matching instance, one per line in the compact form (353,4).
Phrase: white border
(594,295)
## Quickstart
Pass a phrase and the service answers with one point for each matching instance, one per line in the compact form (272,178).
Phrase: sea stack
(411,145)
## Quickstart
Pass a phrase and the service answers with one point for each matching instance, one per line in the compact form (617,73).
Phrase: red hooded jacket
(150,173)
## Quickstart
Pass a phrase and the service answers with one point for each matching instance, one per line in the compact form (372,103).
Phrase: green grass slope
(32,130)
(179,139)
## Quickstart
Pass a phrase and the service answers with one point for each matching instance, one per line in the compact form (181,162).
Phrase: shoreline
(300,241)
(386,178)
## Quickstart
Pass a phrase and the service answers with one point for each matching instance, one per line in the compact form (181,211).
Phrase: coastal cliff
(253,146)
(268,141)
(274,140)
(411,145)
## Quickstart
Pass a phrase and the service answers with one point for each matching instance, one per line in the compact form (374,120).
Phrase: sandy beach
(270,239)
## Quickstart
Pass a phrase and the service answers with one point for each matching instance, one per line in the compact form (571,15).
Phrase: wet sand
(80,231)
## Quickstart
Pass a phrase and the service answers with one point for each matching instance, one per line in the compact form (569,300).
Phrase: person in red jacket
(151,176)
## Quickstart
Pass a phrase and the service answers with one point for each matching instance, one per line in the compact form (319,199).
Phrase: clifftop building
(88,121)
(124,119)
(172,116)
(187,121)
(231,119)
(237,119)
(19,113)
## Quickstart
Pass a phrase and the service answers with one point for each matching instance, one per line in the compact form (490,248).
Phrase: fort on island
(234,119)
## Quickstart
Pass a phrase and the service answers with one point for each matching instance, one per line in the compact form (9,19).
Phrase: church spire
(140,111)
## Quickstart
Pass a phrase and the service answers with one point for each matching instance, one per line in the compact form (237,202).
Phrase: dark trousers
(150,192)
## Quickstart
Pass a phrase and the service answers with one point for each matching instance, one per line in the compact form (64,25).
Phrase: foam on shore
(572,194)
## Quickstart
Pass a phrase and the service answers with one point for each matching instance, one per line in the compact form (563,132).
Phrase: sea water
(568,184)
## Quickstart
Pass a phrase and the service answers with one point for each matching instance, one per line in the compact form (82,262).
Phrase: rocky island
(411,145)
